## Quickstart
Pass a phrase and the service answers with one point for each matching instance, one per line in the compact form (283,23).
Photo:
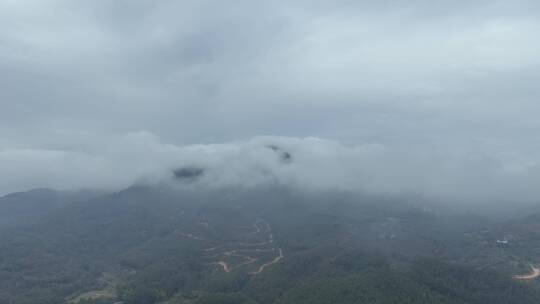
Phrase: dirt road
(277,259)
(223,264)
(246,250)
(535,273)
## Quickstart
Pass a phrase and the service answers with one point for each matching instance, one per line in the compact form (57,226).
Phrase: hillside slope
(259,245)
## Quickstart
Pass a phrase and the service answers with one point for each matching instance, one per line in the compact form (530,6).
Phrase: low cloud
(313,164)
(424,97)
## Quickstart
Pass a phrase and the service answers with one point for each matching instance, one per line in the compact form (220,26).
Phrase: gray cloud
(114,162)
(445,91)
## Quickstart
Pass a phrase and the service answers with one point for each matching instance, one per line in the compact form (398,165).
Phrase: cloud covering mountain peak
(306,163)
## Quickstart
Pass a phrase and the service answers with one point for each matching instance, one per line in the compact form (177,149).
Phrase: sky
(432,97)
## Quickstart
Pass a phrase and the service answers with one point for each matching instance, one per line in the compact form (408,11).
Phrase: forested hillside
(269,245)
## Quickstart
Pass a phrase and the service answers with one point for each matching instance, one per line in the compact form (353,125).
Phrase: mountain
(25,207)
(166,244)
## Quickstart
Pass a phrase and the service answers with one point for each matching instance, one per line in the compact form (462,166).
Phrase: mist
(310,163)
(263,152)
(432,98)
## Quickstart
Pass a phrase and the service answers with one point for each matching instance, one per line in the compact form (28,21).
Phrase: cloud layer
(312,164)
(419,96)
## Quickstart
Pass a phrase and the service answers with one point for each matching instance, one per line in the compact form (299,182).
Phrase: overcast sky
(441,94)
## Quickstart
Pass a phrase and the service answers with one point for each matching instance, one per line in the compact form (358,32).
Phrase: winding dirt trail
(535,273)
(189,236)
(223,264)
(261,269)
(213,248)
(245,247)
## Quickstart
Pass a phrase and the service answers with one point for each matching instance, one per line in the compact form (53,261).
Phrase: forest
(269,245)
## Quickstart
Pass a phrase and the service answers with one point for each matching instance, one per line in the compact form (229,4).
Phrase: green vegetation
(157,245)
